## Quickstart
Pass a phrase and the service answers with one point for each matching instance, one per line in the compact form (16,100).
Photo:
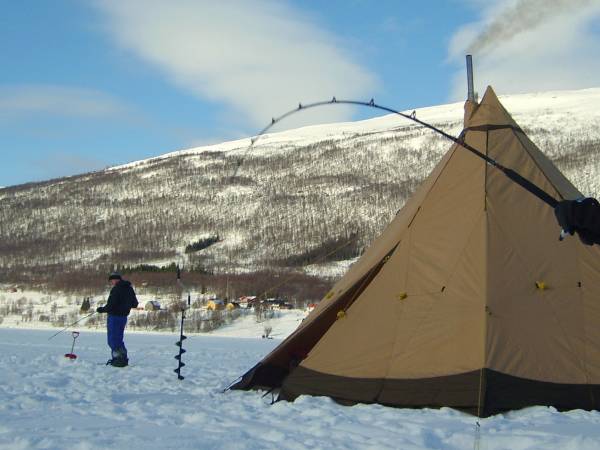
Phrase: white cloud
(18,100)
(530,45)
(259,58)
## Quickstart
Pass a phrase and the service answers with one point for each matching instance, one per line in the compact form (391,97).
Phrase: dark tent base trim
(499,392)
(261,376)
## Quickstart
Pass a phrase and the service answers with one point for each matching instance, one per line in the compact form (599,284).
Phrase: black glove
(580,216)
(100,309)
(565,216)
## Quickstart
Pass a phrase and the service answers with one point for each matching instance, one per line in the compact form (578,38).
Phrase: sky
(88,84)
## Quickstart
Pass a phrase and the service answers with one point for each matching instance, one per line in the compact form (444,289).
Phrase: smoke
(522,16)
(530,46)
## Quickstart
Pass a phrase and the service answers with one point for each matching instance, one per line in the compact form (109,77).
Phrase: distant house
(247,301)
(152,305)
(215,304)
(277,304)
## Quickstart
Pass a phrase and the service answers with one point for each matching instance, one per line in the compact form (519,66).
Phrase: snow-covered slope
(295,194)
(49,402)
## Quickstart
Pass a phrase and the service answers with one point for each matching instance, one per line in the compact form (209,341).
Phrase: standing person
(120,301)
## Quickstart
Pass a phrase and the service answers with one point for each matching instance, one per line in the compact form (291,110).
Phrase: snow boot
(119,358)
(119,362)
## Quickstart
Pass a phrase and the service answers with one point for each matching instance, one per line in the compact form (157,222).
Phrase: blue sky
(90,84)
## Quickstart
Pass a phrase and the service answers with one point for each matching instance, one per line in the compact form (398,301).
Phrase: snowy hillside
(297,196)
(49,402)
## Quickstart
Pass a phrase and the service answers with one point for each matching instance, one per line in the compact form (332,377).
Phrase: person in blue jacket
(120,301)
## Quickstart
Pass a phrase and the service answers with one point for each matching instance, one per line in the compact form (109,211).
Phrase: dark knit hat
(114,276)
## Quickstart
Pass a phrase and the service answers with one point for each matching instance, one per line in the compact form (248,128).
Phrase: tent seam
(535,162)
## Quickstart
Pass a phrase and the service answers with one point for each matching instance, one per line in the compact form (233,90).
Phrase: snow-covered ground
(50,402)
(283,323)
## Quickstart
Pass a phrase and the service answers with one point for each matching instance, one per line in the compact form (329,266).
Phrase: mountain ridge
(296,194)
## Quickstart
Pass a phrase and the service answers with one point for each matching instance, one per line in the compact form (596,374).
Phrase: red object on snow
(72,356)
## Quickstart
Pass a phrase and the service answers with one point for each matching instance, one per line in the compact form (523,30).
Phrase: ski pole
(69,326)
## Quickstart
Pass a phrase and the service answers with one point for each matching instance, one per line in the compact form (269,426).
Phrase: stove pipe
(470,89)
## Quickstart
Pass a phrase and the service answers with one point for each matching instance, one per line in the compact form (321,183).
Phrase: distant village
(205,312)
(211,302)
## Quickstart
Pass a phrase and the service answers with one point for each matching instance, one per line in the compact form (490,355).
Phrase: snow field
(49,402)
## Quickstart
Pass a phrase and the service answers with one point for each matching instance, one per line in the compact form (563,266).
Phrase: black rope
(511,174)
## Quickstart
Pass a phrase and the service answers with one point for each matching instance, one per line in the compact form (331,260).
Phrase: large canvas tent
(467,299)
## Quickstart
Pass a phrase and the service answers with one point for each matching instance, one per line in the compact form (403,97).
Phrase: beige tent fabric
(532,333)
(427,333)
(467,299)
(589,268)
(560,183)
(490,113)
(468,263)
(390,237)
(368,261)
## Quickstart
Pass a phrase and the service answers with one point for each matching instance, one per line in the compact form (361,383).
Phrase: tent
(466,300)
